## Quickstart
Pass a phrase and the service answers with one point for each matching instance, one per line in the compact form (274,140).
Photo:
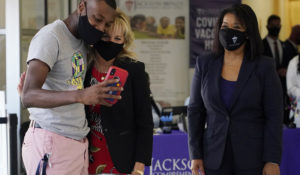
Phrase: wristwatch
(139,172)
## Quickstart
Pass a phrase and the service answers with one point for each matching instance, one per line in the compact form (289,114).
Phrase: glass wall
(34,18)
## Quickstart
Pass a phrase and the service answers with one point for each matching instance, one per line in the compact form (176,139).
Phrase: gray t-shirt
(66,56)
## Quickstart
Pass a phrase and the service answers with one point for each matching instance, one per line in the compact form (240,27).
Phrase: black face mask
(86,31)
(231,39)
(108,50)
(274,31)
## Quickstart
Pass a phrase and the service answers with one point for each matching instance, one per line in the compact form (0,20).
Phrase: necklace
(101,74)
(98,76)
(103,68)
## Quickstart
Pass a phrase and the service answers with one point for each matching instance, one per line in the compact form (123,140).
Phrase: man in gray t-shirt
(54,93)
(65,55)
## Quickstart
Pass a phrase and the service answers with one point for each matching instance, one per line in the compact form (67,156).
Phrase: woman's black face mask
(107,49)
(88,33)
(231,39)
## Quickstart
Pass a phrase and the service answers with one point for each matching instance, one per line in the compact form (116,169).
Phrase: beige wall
(263,9)
(288,10)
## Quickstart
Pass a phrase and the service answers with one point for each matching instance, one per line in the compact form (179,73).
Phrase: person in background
(290,46)
(179,25)
(150,24)
(165,29)
(291,50)
(121,135)
(55,142)
(156,111)
(293,88)
(139,26)
(236,108)
(138,23)
(273,47)
(272,44)
(187,101)
(156,108)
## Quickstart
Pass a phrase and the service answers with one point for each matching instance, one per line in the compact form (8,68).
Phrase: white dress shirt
(279,45)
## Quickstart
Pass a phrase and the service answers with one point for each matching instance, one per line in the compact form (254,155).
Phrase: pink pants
(67,156)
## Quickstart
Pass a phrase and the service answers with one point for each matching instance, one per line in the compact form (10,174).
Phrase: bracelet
(139,172)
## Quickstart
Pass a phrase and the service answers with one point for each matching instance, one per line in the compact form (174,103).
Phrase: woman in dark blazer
(235,111)
(121,136)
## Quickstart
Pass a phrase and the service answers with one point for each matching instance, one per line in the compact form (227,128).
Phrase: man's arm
(34,96)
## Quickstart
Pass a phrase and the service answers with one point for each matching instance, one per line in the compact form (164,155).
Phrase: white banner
(162,44)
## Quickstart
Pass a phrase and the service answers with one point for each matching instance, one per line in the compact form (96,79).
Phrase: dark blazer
(253,122)
(128,124)
(268,52)
(290,50)
(267,49)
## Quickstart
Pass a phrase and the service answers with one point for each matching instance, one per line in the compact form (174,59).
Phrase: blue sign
(170,155)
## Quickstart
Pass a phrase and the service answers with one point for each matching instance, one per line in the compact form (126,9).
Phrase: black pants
(228,165)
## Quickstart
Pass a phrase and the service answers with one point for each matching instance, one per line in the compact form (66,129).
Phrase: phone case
(115,72)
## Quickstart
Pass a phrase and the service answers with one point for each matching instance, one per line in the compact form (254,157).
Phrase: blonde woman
(121,135)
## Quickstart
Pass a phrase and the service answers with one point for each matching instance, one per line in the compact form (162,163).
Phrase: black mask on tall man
(88,33)
(274,31)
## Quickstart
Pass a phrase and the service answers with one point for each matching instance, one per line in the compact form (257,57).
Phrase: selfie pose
(121,135)
(236,107)
(53,91)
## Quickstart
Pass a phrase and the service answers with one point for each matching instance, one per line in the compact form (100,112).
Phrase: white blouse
(293,78)
(293,89)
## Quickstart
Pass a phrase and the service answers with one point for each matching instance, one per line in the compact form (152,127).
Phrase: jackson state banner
(161,42)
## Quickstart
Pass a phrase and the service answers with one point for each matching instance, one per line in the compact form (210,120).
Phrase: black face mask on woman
(231,39)
(107,49)
(86,31)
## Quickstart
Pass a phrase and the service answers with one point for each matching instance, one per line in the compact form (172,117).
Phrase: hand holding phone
(115,72)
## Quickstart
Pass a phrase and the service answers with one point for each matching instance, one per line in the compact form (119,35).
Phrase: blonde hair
(121,23)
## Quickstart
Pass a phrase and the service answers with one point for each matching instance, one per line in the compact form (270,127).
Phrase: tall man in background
(291,44)
(273,47)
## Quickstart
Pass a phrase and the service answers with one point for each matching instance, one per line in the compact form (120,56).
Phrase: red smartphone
(115,72)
